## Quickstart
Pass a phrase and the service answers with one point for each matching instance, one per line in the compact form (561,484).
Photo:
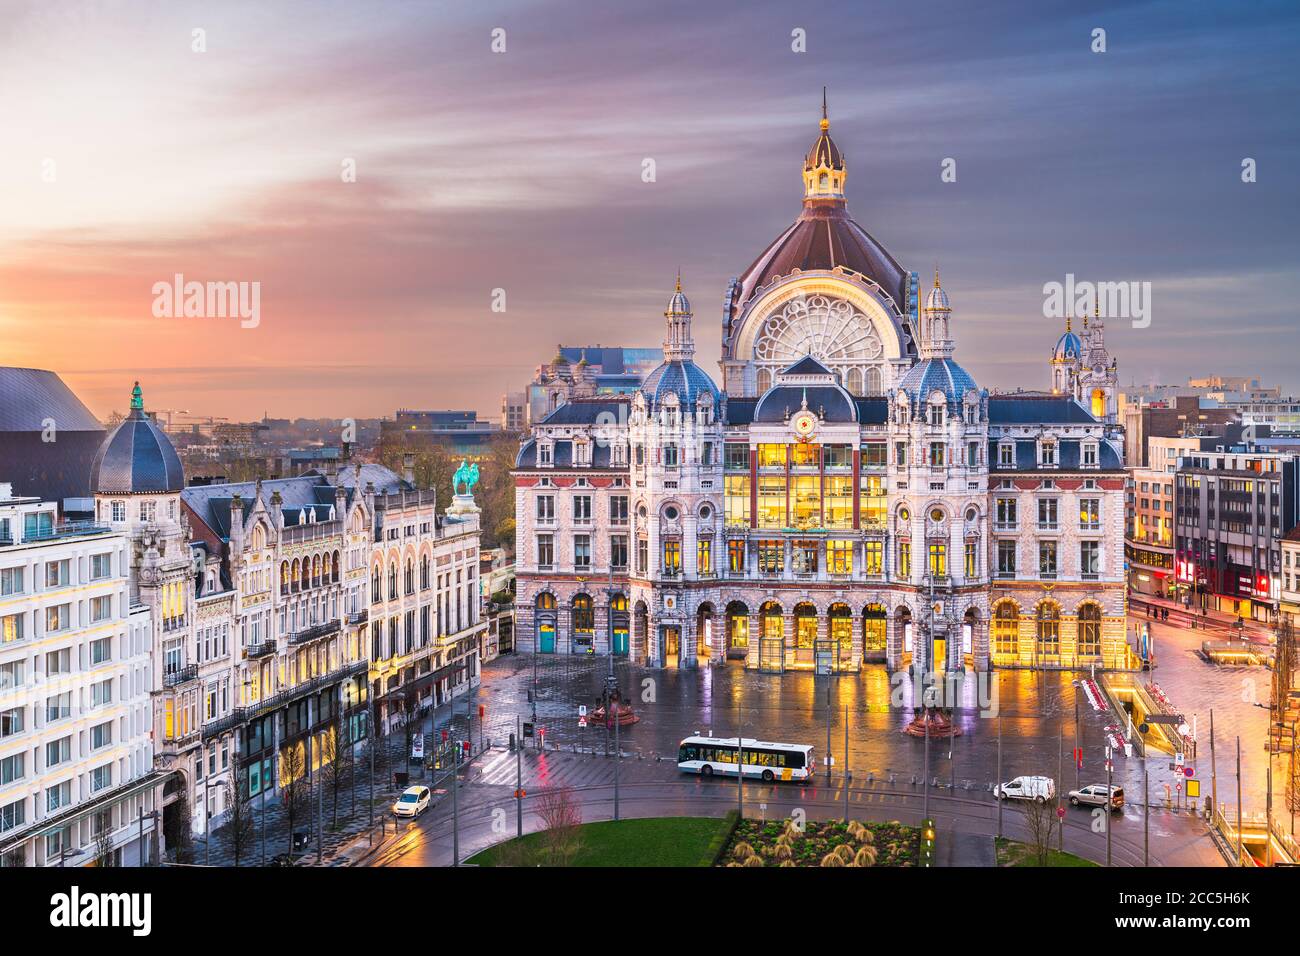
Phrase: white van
(1038,789)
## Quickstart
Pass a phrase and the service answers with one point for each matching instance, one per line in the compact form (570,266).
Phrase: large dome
(824,238)
(685,379)
(138,458)
(937,374)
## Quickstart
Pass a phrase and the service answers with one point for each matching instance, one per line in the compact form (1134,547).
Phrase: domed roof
(137,458)
(941,374)
(821,239)
(824,152)
(1068,347)
(937,300)
(685,379)
(806,384)
(678,304)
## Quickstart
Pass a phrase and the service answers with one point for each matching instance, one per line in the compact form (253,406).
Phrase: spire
(823,167)
(137,398)
(936,340)
(678,345)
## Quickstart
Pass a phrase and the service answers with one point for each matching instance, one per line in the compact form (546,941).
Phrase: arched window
(1090,631)
(424,572)
(284,577)
(1049,629)
(546,601)
(805,626)
(297,575)
(408,579)
(738,628)
(874,621)
(376,591)
(584,617)
(873,385)
(1006,629)
(853,381)
(773,623)
(334,569)
(764,380)
(392,581)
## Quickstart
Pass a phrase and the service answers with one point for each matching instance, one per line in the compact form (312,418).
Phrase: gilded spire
(826,123)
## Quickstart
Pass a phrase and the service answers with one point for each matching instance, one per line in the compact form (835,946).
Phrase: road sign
(582,710)
(582,721)
(1193,787)
(1060,812)
(417,747)
(1189,771)
(1144,729)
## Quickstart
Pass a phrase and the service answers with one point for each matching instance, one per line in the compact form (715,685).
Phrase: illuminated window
(938,559)
(873,555)
(806,501)
(736,556)
(804,455)
(904,559)
(1006,629)
(1049,629)
(1090,631)
(771,502)
(771,556)
(837,505)
(771,456)
(972,559)
(736,500)
(704,556)
(839,557)
(672,555)
(872,504)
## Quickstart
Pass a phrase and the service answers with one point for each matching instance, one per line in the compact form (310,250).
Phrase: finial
(826,123)
(679,278)
(936,275)
(137,398)
(1068,316)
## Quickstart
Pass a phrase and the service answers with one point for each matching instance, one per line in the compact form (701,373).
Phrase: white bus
(768,761)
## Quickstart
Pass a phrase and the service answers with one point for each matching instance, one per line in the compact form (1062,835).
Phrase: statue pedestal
(462,505)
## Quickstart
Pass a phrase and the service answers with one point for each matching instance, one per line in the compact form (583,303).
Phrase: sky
(129,155)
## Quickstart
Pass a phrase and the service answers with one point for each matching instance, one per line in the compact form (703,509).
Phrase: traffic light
(444,736)
(482,711)
(464,747)
(927,843)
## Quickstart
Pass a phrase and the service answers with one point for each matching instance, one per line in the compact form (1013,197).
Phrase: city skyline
(1067,162)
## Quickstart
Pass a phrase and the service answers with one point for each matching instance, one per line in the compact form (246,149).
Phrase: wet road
(1036,711)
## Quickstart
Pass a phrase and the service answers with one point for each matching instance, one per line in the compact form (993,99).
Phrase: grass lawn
(1011,853)
(658,841)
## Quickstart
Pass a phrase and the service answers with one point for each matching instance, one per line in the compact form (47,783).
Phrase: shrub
(866,856)
(832,859)
(742,851)
(753,861)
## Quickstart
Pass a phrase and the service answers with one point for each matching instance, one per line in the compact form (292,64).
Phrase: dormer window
(582,453)
(1047,453)
(544,454)
(1089,454)
(1006,454)
(936,414)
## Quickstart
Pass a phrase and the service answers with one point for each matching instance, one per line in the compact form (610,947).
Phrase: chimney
(237,522)
(277,510)
(408,469)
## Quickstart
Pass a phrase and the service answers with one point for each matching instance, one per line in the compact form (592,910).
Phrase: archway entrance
(737,631)
(805,634)
(771,648)
(672,638)
(875,622)
(841,635)
(903,621)
(704,634)
(546,623)
(618,625)
(640,631)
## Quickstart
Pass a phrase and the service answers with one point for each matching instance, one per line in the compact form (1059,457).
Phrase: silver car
(1094,795)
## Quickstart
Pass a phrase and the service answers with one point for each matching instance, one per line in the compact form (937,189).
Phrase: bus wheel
(767,775)
(706,771)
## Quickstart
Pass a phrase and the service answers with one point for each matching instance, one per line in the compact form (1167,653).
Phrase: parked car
(1038,789)
(1094,795)
(412,802)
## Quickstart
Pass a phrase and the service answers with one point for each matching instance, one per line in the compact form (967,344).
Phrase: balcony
(180,675)
(671,573)
(359,617)
(68,529)
(261,649)
(241,715)
(315,632)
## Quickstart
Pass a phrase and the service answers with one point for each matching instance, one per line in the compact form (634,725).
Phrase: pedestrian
(1164,615)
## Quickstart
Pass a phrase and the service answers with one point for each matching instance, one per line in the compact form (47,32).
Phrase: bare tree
(336,756)
(104,842)
(238,831)
(294,789)
(561,817)
(1041,821)
(179,831)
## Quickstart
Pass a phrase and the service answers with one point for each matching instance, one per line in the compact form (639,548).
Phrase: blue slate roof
(562,455)
(1031,409)
(211,503)
(941,374)
(686,379)
(1069,456)
(831,403)
(138,458)
(588,411)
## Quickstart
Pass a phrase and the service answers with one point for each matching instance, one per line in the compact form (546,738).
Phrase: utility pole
(925,781)
(618,756)
(1109,790)
(1060,779)
(455,805)
(740,747)
(1146,812)
(519,778)
(1000,800)
(1076,740)
(828,729)
(1239,863)
(1214,777)
(847,774)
